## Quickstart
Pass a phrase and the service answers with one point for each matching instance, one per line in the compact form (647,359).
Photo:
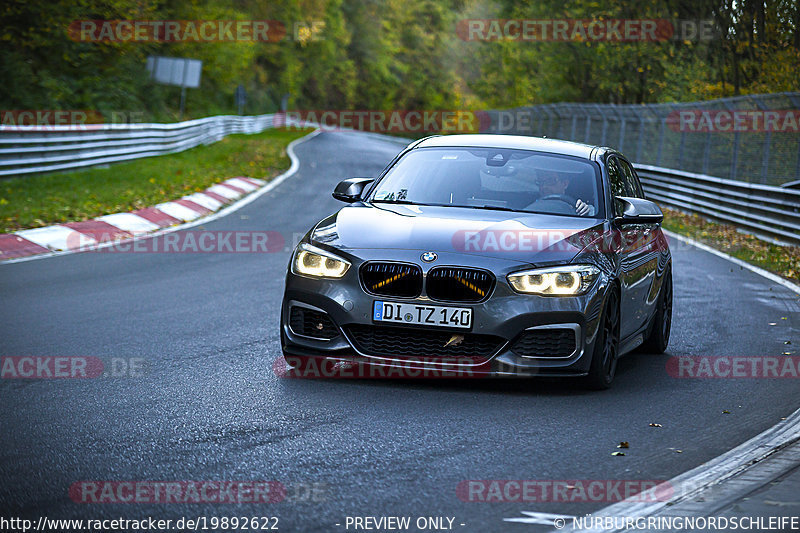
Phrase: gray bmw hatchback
(491,255)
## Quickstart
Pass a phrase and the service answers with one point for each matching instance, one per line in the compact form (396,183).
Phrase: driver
(552,188)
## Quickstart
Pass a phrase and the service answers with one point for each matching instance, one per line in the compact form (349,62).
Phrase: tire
(603,367)
(658,340)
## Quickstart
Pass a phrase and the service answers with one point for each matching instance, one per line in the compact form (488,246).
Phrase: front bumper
(505,314)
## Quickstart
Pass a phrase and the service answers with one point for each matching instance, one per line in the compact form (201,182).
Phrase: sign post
(241,98)
(177,71)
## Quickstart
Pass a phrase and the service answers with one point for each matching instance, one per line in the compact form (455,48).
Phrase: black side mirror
(350,190)
(637,211)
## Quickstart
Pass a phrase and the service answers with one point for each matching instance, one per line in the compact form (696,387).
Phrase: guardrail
(771,213)
(755,163)
(654,134)
(767,211)
(32,149)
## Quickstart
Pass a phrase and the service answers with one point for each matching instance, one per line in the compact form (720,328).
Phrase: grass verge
(41,200)
(781,260)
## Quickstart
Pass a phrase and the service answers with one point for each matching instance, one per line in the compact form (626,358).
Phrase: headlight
(311,261)
(569,280)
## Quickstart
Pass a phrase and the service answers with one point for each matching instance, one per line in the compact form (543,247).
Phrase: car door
(639,259)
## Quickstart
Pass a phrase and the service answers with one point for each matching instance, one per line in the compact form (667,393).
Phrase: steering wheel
(559,197)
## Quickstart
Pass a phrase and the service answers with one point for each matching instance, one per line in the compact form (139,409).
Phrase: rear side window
(632,186)
(616,178)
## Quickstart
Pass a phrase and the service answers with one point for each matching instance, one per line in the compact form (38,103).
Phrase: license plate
(423,315)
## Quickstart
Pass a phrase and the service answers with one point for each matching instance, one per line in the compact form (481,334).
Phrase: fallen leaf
(455,340)
(623,444)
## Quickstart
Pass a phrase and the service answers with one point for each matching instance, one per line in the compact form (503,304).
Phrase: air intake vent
(398,343)
(310,323)
(452,284)
(545,343)
(392,279)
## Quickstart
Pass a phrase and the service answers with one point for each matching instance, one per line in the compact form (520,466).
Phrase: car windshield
(492,178)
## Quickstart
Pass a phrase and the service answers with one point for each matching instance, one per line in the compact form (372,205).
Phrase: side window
(617,181)
(632,186)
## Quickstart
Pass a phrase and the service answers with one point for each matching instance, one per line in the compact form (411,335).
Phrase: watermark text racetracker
(387,121)
(184,242)
(196,491)
(66,119)
(563,490)
(71,367)
(585,30)
(554,240)
(734,121)
(167,31)
(457,367)
(734,367)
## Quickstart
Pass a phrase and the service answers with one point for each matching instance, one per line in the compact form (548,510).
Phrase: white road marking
(225,192)
(546,519)
(181,212)
(242,184)
(205,200)
(57,238)
(129,222)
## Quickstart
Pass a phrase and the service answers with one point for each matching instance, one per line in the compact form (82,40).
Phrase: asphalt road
(209,406)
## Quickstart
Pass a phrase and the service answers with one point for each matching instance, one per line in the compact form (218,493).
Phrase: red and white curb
(200,208)
(120,226)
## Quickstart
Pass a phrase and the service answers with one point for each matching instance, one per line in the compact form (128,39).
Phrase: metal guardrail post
(736,138)
(706,153)
(642,126)
(621,121)
(549,120)
(588,134)
(605,125)
(795,100)
(682,144)
(662,133)
(765,145)
(554,128)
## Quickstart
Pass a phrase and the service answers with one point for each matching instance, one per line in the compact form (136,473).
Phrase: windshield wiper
(492,207)
(408,202)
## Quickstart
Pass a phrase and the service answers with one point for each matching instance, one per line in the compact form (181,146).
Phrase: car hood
(524,237)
